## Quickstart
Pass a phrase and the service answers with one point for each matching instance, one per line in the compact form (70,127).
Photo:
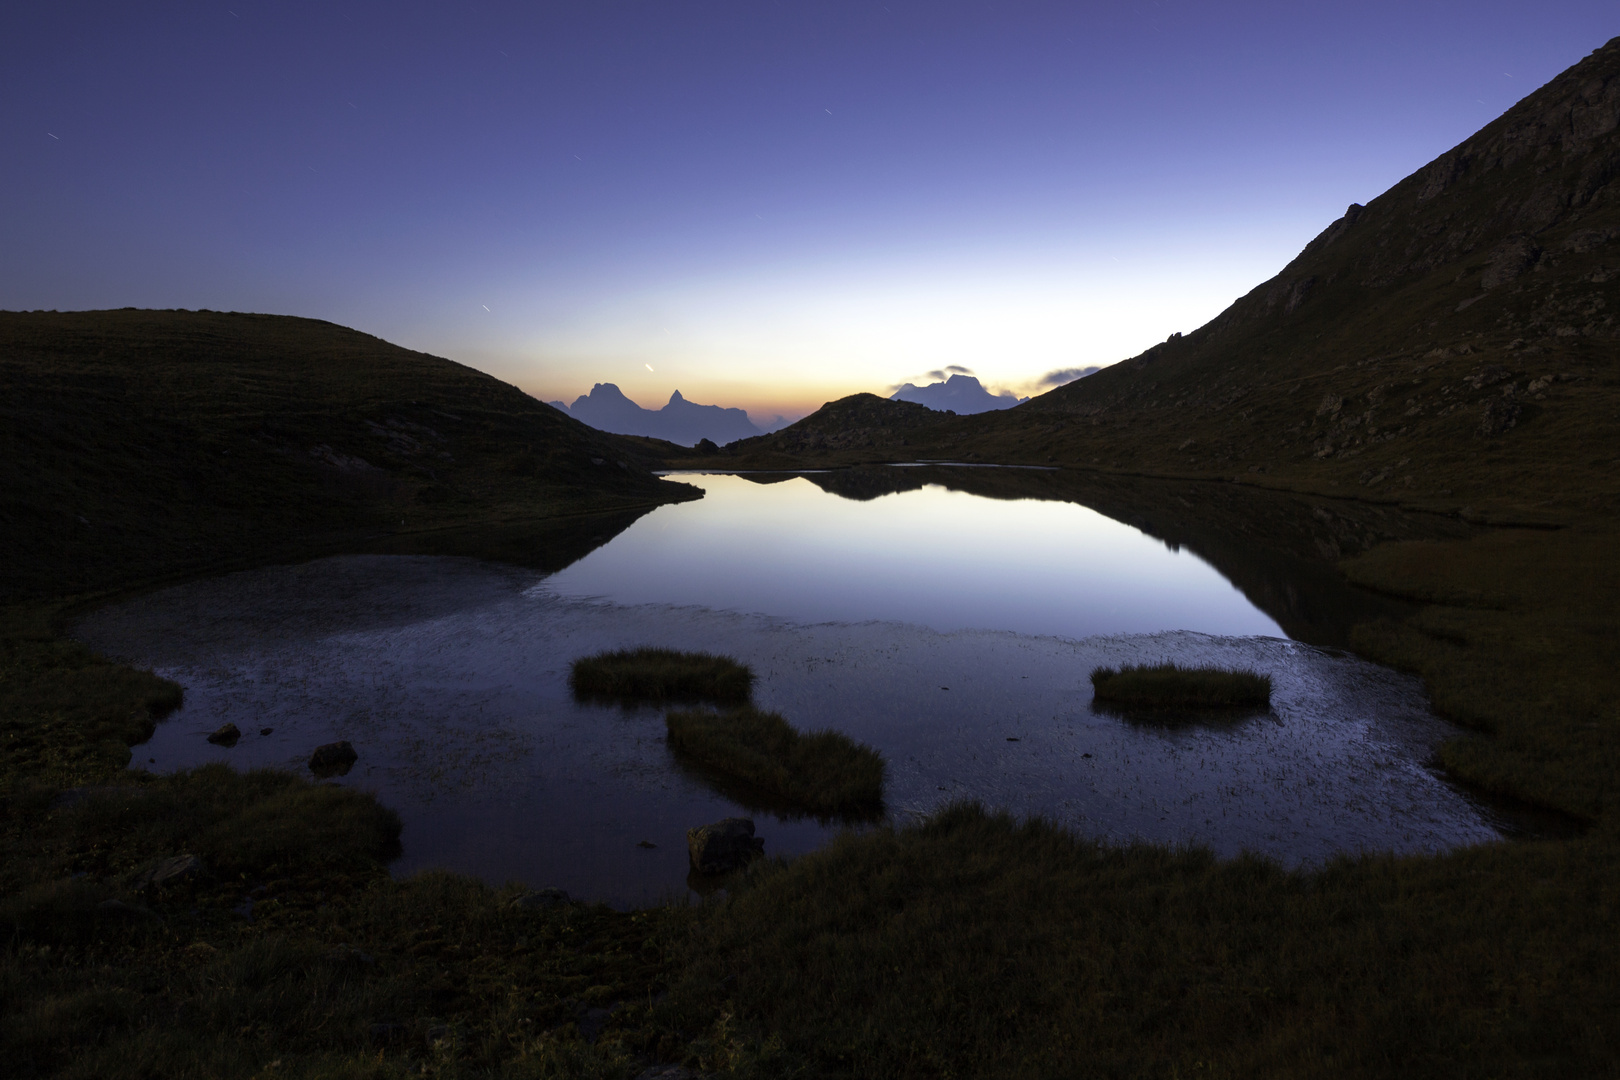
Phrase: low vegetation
(1175,686)
(972,944)
(656,675)
(824,772)
(290,952)
(1518,638)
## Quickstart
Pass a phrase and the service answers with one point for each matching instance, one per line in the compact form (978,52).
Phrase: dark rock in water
(167,872)
(226,735)
(333,759)
(645,844)
(724,846)
(265,730)
(540,898)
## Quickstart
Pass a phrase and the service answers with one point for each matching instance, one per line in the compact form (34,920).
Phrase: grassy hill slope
(140,444)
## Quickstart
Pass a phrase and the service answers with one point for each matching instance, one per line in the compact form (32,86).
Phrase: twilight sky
(766,204)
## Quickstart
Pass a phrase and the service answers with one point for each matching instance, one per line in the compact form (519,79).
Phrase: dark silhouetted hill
(1451,345)
(137,444)
(1451,342)
(856,426)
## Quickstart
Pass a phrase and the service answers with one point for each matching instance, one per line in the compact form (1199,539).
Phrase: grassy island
(824,772)
(1181,687)
(661,675)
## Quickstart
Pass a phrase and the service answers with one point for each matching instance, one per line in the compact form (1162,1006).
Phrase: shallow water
(449,676)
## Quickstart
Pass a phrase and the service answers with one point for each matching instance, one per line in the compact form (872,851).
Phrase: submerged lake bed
(953,634)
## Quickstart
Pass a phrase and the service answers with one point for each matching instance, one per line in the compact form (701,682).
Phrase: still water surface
(952,632)
(937,558)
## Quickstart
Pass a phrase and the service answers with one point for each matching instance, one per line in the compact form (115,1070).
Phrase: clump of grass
(1172,685)
(824,772)
(661,675)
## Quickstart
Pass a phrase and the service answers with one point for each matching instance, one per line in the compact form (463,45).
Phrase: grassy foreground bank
(968,945)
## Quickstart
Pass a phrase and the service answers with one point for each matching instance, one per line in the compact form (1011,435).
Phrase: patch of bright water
(449,676)
(942,559)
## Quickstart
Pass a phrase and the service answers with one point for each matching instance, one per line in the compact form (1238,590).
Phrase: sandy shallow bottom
(449,677)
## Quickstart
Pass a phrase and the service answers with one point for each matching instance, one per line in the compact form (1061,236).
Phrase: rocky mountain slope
(1452,344)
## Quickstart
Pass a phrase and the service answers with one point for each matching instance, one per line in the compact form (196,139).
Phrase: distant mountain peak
(606,408)
(961,394)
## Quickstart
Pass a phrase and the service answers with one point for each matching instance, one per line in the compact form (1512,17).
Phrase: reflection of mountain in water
(548,544)
(1277,548)
(859,485)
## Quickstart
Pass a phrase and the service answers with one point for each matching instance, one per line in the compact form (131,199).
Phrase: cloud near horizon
(1061,376)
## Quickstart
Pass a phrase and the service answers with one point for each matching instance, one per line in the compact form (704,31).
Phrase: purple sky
(762,204)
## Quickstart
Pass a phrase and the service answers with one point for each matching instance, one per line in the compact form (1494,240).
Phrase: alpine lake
(947,615)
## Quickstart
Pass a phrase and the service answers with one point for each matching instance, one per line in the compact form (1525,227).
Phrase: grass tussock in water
(661,675)
(824,772)
(1182,687)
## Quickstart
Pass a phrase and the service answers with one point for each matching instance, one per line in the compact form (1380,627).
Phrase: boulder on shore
(724,846)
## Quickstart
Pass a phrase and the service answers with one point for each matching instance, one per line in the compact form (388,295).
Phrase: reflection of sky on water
(942,559)
(450,678)
(953,633)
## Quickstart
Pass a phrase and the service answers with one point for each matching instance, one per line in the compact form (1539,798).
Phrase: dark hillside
(1452,342)
(857,428)
(138,444)
(1450,345)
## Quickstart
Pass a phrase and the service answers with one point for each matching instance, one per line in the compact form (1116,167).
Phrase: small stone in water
(724,846)
(333,759)
(225,735)
(266,730)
